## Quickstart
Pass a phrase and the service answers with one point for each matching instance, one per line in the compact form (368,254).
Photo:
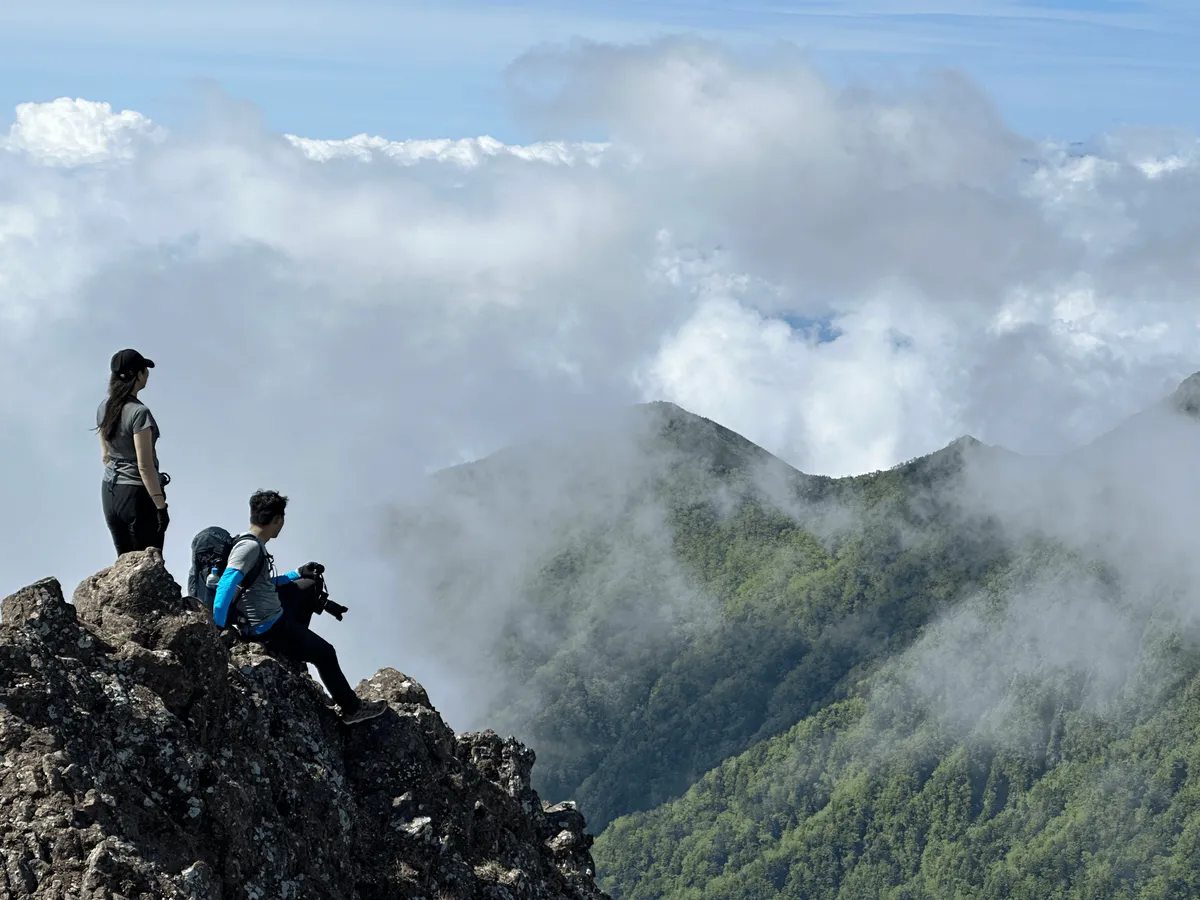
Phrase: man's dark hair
(265,506)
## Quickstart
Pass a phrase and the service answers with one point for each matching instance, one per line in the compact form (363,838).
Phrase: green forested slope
(765,684)
(786,639)
(1077,779)
(625,715)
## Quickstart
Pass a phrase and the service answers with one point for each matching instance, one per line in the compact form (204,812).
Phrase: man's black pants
(291,636)
(131,517)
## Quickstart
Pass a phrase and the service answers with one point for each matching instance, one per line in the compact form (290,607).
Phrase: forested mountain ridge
(684,594)
(1039,738)
(695,618)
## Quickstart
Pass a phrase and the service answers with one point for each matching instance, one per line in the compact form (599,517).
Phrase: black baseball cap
(126,362)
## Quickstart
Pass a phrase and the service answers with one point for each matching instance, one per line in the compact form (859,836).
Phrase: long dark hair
(120,391)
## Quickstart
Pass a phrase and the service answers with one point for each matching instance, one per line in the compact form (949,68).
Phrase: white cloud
(464,151)
(70,132)
(337,317)
(857,404)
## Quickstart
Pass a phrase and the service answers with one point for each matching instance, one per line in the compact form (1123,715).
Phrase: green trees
(762,684)
(1053,788)
(825,811)
(782,621)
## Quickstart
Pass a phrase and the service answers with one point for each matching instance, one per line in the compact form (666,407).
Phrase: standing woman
(135,505)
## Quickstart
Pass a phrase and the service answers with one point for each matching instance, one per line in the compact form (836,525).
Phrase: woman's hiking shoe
(368,709)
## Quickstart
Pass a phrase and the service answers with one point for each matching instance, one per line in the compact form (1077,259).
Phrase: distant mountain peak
(966,441)
(666,405)
(1186,397)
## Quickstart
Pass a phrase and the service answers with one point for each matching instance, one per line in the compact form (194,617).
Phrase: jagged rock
(128,600)
(397,689)
(42,602)
(42,608)
(1186,397)
(140,758)
(505,762)
(566,823)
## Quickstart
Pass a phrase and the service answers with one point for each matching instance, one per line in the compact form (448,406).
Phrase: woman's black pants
(131,517)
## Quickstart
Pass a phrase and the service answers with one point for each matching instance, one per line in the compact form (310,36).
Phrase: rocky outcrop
(1186,397)
(141,758)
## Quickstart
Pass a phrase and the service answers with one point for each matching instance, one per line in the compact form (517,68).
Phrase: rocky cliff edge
(140,758)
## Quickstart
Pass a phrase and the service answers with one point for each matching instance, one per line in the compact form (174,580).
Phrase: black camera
(324,604)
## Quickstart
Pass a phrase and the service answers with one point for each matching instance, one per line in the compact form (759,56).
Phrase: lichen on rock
(141,758)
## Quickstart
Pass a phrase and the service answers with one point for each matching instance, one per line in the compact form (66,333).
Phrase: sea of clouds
(850,276)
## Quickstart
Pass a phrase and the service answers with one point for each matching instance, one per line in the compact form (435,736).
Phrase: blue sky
(1062,68)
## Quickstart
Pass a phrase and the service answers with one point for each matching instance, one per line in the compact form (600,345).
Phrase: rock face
(1186,398)
(140,758)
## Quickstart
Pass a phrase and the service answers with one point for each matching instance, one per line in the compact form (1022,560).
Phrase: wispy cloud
(429,70)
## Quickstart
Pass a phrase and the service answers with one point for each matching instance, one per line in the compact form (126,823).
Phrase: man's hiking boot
(368,709)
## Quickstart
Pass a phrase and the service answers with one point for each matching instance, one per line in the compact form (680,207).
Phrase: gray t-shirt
(122,465)
(260,601)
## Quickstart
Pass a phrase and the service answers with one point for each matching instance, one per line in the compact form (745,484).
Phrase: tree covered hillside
(1039,738)
(992,778)
(971,675)
(689,595)
(625,724)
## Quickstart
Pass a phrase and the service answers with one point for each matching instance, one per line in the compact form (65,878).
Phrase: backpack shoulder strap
(250,577)
(255,569)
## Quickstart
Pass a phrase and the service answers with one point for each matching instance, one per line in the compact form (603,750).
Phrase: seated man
(278,608)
